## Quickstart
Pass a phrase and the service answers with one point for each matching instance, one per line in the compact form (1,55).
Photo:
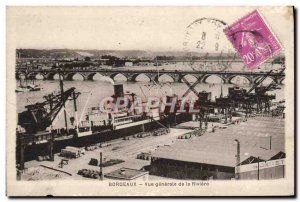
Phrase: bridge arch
(165,78)
(239,80)
(73,76)
(91,76)
(39,76)
(114,76)
(95,76)
(104,78)
(51,76)
(139,77)
(20,75)
(189,78)
(211,77)
(32,75)
(267,81)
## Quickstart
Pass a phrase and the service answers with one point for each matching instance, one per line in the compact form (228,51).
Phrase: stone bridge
(131,75)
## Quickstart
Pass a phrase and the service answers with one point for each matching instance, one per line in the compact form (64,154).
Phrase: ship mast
(157,70)
(221,95)
(21,85)
(26,75)
(75,108)
(63,97)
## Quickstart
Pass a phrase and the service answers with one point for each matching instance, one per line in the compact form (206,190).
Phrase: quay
(171,158)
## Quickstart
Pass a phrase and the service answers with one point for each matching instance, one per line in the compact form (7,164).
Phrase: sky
(131,29)
(107,28)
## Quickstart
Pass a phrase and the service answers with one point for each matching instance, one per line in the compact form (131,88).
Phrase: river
(102,88)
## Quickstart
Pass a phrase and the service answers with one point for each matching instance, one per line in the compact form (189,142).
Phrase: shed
(127,174)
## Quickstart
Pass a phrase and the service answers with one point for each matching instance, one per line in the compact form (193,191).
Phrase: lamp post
(237,170)
(258,167)
(101,171)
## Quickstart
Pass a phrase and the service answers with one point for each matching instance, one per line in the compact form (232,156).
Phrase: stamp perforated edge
(268,26)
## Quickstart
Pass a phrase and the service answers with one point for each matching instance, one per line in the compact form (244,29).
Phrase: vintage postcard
(150,101)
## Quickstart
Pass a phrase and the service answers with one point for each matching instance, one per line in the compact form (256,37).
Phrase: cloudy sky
(129,28)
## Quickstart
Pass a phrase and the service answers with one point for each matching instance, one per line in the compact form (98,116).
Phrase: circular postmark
(206,43)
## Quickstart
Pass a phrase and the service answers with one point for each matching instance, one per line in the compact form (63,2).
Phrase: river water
(103,87)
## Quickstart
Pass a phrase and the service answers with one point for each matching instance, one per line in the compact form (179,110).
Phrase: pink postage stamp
(252,39)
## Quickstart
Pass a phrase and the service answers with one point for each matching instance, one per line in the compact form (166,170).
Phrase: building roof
(253,159)
(126,174)
(279,155)
(220,148)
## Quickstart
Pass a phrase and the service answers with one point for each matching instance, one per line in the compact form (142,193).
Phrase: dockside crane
(259,82)
(259,97)
(203,103)
(41,115)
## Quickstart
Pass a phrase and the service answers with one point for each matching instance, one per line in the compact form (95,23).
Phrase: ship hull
(31,152)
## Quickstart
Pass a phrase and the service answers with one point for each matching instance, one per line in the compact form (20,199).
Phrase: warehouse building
(215,155)
(256,168)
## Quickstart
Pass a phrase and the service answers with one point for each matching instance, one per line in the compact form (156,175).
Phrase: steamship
(36,125)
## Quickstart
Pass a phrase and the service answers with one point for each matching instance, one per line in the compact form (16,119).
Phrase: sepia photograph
(150,101)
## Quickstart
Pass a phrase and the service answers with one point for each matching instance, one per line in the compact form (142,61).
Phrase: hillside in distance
(70,53)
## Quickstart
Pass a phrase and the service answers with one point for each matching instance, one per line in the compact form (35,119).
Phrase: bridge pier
(179,80)
(131,77)
(153,77)
(226,80)
(85,77)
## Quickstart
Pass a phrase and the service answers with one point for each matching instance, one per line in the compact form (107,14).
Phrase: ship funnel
(118,90)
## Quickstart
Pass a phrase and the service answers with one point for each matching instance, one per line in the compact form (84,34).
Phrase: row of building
(248,150)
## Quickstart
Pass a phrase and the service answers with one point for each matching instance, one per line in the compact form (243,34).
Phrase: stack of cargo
(93,162)
(112,162)
(89,173)
(43,158)
(185,136)
(142,134)
(161,131)
(72,152)
(278,111)
(92,147)
(144,156)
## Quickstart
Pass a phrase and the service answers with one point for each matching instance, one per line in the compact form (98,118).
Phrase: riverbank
(126,150)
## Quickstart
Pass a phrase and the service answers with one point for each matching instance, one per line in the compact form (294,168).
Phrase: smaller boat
(27,87)
(21,89)
(33,87)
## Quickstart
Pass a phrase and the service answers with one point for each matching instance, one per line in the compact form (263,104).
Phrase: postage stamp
(253,39)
